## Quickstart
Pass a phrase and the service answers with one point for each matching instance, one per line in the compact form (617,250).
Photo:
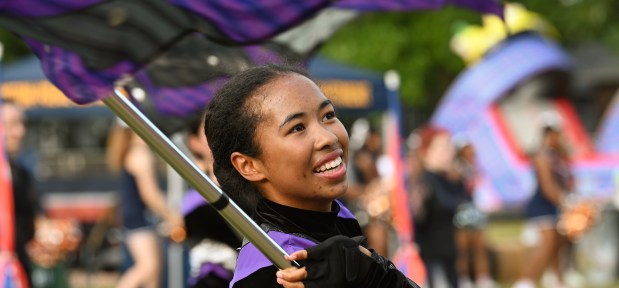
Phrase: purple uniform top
(251,259)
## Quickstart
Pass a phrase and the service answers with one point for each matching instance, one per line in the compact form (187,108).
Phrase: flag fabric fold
(85,46)
(182,80)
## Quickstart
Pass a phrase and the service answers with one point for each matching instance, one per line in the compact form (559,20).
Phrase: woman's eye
(328,116)
(297,128)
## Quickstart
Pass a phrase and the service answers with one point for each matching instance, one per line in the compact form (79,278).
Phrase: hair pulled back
(231,120)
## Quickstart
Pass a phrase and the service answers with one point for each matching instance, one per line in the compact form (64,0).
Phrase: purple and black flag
(179,51)
(191,72)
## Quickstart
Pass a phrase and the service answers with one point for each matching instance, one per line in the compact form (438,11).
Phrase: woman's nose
(325,138)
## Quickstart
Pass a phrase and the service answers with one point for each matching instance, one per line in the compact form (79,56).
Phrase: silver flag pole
(175,189)
(238,219)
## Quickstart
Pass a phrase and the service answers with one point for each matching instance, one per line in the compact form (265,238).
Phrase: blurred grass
(504,230)
(504,237)
(100,279)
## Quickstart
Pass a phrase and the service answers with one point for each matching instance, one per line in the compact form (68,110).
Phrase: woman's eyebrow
(290,118)
(325,104)
(301,114)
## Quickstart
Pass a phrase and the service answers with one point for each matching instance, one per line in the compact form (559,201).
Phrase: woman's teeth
(330,165)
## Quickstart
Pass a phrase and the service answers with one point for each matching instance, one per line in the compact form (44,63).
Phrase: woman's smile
(332,166)
(334,173)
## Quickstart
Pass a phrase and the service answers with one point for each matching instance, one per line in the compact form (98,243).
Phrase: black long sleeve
(385,274)
(262,278)
(336,261)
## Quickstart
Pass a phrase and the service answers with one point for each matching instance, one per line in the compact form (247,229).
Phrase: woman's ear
(248,167)
(194,142)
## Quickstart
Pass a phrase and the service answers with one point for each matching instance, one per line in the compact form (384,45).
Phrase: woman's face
(15,129)
(554,139)
(304,147)
(440,153)
(468,153)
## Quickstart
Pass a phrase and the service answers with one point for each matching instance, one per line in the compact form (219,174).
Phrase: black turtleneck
(312,225)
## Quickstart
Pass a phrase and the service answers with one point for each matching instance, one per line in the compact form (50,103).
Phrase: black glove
(338,262)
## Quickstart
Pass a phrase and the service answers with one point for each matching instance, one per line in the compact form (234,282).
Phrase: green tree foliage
(13,46)
(416,44)
(581,21)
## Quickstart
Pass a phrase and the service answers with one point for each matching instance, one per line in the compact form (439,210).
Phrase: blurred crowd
(450,226)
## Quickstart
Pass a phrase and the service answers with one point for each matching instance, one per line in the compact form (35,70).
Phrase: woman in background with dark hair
(470,222)
(554,183)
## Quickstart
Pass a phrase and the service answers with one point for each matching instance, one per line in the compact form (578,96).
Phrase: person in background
(554,183)
(27,207)
(367,187)
(414,183)
(140,194)
(433,218)
(471,222)
(211,240)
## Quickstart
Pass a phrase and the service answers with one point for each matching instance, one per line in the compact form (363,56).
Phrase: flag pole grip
(229,210)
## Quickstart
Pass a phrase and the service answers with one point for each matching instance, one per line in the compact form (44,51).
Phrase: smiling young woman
(280,152)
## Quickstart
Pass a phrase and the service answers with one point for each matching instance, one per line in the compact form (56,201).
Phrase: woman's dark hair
(194,125)
(549,129)
(231,120)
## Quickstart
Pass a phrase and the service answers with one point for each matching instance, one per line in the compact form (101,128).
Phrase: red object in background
(7,213)
(574,130)
(406,258)
(85,207)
